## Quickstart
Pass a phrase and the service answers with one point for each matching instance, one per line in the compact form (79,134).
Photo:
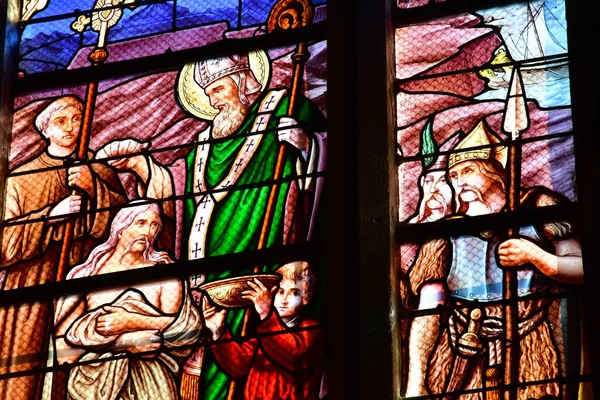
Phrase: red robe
(287,365)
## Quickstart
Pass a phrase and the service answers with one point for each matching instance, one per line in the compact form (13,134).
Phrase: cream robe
(133,376)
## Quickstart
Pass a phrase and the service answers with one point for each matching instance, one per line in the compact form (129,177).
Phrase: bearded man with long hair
(229,180)
(140,330)
(465,273)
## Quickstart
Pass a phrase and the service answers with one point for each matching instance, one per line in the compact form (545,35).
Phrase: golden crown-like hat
(471,147)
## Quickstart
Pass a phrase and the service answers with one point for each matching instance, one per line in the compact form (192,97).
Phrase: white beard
(229,119)
(471,195)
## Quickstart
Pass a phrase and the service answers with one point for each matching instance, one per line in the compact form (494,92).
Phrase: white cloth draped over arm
(143,375)
(159,185)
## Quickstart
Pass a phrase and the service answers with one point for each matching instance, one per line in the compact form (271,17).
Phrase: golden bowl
(228,292)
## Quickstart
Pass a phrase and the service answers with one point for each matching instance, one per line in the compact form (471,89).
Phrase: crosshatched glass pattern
(484,127)
(159,150)
(547,163)
(453,294)
(464,79)
(438,336)
(112,340)
(64,33)
(219,156)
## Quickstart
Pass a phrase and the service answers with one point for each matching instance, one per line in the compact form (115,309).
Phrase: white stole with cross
(207,201)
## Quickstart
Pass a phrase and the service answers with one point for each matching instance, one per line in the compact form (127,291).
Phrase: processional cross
(107,14)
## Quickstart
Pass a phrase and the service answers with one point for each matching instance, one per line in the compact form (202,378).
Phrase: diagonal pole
(285,15)
(516,121)
(97,57)
(82,150)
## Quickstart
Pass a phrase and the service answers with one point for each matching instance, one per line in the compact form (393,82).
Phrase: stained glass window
(163,222)
(61,35)
(485,155)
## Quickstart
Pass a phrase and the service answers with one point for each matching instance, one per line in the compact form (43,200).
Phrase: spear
(285,15)
(516,121)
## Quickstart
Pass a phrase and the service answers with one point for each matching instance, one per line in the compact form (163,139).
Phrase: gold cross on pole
(108,14)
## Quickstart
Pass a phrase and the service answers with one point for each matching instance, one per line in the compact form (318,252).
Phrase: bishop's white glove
(294,135)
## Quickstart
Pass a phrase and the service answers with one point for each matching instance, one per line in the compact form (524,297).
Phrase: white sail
(539,41)
(535,40)
(531,31)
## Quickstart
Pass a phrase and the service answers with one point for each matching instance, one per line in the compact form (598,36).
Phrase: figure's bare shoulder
(546,200)
(544,197)
(172,285)
(171,295)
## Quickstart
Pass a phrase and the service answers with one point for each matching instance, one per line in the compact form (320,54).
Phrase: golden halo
(192,97)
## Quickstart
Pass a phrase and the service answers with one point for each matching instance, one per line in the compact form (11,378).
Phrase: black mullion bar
(408,233)
(437,10)
(170,61)
(404,159)
(266,183)
(310,251)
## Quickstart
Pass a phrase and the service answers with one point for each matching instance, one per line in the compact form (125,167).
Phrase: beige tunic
(30,254)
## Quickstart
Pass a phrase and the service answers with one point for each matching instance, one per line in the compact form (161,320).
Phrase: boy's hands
(260,296)
(214,320)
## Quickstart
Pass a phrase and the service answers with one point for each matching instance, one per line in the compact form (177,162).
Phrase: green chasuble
(236,221)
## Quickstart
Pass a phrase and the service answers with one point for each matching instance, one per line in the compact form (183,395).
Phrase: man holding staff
(466,272)
(239,149)
(40,199)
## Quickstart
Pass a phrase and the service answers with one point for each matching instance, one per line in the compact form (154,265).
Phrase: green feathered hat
(431,159)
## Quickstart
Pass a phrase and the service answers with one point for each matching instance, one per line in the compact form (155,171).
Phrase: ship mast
(532,18)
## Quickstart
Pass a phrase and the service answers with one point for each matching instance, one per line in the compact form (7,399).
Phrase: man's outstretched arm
(565,266)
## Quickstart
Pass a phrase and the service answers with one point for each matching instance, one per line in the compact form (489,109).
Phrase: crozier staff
(250,122)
